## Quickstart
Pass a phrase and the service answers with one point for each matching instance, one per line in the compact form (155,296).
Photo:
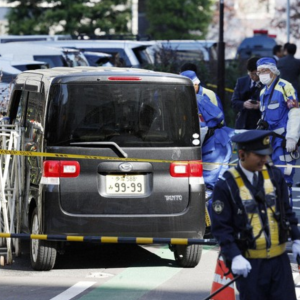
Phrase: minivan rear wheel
(187,256)
(42,253)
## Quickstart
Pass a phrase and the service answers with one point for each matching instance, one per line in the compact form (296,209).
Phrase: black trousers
(269,279)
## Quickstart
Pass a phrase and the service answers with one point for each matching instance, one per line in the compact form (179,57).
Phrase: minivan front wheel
(187,256)
(42,253)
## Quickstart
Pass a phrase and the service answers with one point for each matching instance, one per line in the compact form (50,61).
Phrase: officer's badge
(218,206)
(266,140)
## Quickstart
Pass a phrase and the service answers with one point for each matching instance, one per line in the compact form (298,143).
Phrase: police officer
(199,89)
(281,114)
(252,221)
(216,146)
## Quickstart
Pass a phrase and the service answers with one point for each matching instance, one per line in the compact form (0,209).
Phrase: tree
(68,17)
(280,21)
(178,19)
(25,18)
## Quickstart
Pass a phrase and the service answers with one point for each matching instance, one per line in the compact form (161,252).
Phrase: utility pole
(134,18)
(288,21)
(221,56)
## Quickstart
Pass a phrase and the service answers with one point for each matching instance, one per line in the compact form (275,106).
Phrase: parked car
(260,44)
(186,50)
(123,53)
(142,176)
(54,57)
(9,69)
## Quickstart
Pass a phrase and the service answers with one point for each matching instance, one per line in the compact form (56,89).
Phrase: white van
(52,56)
(123,53)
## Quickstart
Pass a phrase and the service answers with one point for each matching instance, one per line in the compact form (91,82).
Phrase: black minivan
(127,157)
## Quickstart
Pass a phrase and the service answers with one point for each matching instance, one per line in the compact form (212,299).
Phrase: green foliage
(176,19)
(69,16)
(25,18)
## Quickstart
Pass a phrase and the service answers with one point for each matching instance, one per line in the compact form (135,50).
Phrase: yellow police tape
(207,217)
(63,155)
(215,86)
(79,156)
(110,239)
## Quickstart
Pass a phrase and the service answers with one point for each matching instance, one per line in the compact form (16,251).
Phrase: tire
(187,256)
(42,253)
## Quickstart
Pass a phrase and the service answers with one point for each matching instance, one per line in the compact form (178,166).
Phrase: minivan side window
(21,102)
(33,136)
(34,113)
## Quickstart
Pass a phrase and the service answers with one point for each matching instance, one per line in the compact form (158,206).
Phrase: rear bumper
(188,224)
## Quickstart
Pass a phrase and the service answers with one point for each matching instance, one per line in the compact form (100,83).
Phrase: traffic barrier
(222,277)
(110,239)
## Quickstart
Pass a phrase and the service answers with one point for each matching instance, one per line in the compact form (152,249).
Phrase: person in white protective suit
(280,113)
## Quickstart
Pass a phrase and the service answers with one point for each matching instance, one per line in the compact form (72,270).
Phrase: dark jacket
(289,68)
(246,118)
(227,223)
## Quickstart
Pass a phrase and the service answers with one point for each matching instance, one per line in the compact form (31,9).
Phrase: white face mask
(265,79)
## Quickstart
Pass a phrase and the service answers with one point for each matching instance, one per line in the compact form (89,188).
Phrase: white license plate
(125,184)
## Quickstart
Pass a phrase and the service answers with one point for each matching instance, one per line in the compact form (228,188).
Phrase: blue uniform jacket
(211,96)
(213,117)
(232,219)
(275,111)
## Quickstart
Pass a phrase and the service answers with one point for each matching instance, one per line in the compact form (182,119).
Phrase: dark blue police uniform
(255,222)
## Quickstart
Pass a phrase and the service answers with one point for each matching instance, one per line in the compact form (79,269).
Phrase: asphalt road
(112,271)
(116,272)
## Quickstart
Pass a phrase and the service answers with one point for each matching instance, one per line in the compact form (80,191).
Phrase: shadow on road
(91,255)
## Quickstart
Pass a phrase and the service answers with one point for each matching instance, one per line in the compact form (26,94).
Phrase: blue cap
(257,141)
(266,61)
(191,75)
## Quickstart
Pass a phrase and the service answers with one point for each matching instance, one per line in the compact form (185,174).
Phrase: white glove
(296,249)
(241,266)
(290,145)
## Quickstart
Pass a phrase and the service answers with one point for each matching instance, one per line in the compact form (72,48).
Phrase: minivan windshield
(140,114)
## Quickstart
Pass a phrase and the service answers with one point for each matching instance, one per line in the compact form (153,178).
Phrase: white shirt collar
(248,174)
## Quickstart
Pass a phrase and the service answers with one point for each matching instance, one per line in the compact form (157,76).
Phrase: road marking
(134,282)
(74,290)
(297,287)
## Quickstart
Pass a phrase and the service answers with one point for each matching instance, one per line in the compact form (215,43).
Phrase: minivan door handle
(103,144)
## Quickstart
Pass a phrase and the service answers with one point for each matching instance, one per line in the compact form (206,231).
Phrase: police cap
(257,141)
